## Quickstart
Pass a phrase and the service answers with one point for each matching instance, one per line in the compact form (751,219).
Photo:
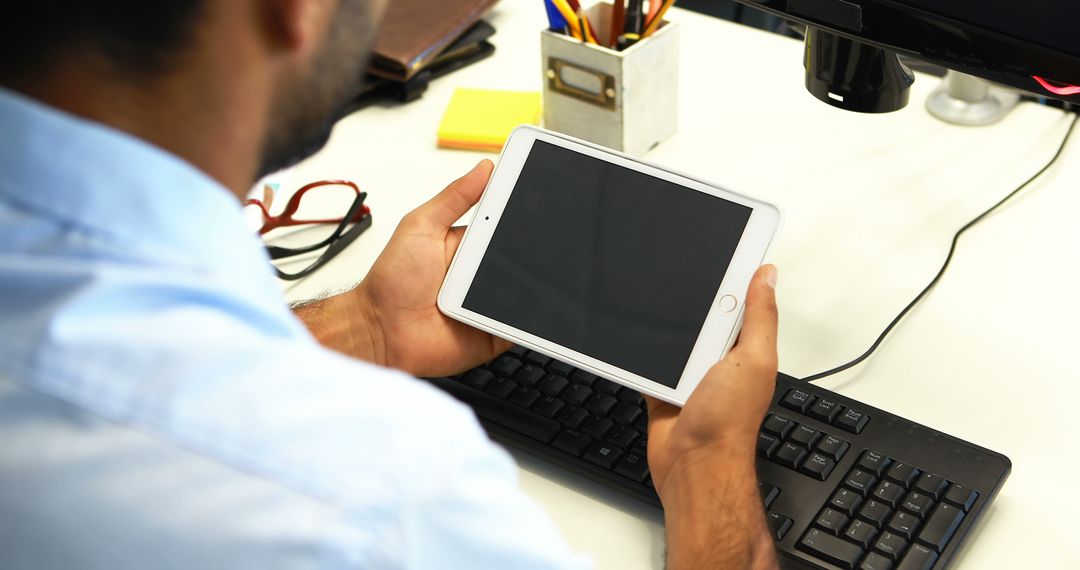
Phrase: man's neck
(214,127)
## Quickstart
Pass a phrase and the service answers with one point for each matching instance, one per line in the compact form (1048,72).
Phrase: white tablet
(623,269)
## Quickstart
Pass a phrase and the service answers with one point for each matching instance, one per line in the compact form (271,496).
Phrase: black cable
(948,259)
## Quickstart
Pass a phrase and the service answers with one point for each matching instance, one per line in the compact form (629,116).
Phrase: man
(159,404)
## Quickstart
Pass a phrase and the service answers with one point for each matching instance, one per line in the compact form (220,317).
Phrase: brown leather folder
(415,32)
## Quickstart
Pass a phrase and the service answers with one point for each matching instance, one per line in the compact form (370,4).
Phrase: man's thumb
(760,315)
(449,205)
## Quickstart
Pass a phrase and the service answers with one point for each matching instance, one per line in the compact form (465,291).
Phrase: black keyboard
(844,484)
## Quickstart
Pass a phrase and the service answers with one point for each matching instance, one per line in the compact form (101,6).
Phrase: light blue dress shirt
(160,406)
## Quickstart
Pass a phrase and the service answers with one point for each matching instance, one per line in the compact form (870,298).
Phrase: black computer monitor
(1032,45)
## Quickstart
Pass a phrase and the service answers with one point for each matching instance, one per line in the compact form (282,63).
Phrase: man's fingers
(662,417)
(658,408)
(453,240)
(758,334)
(449,205)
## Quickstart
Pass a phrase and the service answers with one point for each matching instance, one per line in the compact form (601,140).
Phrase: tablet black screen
(612,263)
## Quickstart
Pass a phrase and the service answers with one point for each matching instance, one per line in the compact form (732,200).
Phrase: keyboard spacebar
(501,412)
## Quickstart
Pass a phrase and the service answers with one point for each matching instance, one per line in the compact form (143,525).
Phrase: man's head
(296,61)
(305,111)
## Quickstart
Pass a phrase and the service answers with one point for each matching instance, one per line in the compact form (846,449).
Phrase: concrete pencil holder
(625,100)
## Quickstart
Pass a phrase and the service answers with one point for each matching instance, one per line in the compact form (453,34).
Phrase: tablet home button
(728,303)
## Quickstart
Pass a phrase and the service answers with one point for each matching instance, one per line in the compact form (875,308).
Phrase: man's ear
(297,25)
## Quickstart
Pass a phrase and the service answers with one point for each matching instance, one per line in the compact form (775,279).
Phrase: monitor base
(966,100)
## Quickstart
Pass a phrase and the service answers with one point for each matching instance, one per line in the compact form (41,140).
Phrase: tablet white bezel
(720,328)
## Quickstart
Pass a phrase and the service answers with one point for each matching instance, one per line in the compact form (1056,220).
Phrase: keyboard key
(601,404)
(505,366)
(623,436)
(778,425)
(846,501)
(961,497)
(573,416)
(903,473)
(633,466)
(597,427)
(767,445)
(797,400)
(932,485)
(537,359)
(576,394)
(890,545)
(560,368)
(804,435)
(941,526)
(553,384)
(769,493)
(824,410)
(852,421)
(830,548)
(501,412)
(889,493)
(904,524)
(833,446)
(817,466)
(875,561)
(603,455)
(874,462)
(579,376)
(518,351)
(861,533)
(572,441)
(641,446)
(625,414)
(831,521)
(779,525)
(524,397)
(917,504)
(478,378)
(918,558)
(860,481)
(606,387)
(631,397)
(875,513)
(548,406)
(529,375)
(501,387)
(642,423)
(789,455)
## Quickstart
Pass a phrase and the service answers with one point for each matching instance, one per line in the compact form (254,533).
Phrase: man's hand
(702,456)
(391,317)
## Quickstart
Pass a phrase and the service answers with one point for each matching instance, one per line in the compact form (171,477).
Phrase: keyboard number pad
(800,447)
(887,510)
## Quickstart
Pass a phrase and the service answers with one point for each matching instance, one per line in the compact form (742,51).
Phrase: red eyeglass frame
(285,218)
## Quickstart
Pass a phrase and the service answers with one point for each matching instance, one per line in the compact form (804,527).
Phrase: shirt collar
(117,187)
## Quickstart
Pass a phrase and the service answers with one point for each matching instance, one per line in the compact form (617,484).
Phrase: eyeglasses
(310,215)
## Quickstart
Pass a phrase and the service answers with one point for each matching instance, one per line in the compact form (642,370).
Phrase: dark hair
(137,36)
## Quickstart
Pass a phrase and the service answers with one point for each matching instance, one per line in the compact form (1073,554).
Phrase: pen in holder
(625,100)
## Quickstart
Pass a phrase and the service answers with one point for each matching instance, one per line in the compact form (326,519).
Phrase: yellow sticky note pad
(480,119)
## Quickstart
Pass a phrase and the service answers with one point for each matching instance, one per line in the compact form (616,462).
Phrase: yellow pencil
(586,28)
(571,18)
(655,22)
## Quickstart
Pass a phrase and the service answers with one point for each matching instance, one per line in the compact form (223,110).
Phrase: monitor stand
(966,100)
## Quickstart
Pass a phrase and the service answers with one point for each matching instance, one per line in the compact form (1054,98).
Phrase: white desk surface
(871,203)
